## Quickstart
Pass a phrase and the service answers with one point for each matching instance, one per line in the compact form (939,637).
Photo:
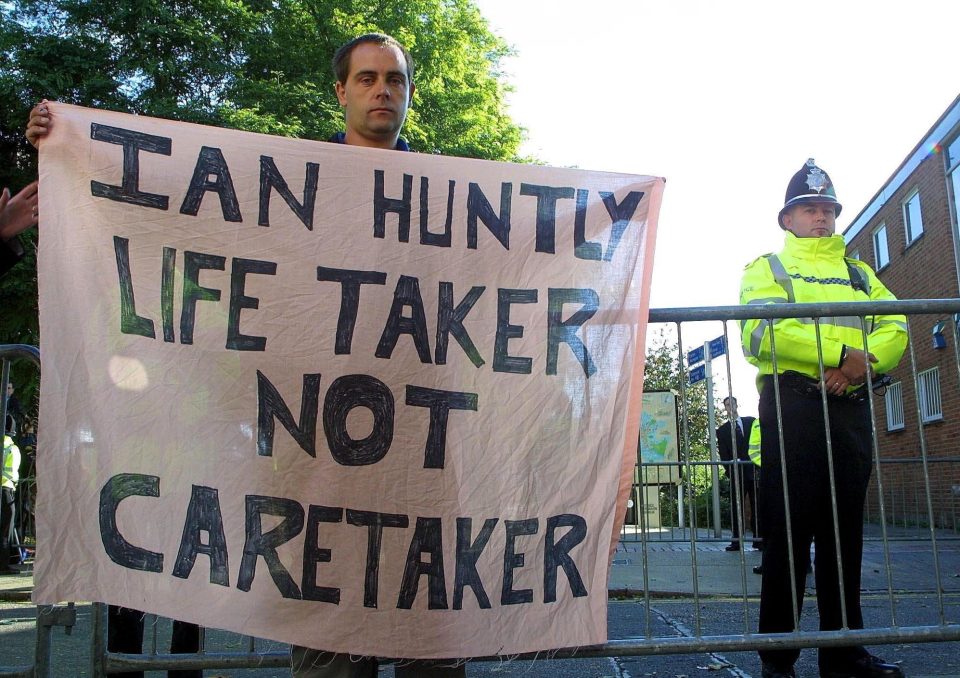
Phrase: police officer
(8,488)
(812,268)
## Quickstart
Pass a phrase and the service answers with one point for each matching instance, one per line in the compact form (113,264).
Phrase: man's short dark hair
(341,59)
(728,398)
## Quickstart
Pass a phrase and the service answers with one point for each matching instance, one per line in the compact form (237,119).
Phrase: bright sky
(727,100)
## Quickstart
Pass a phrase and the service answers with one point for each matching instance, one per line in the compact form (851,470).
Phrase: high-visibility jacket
(11,463)
(815,270)
(753,447)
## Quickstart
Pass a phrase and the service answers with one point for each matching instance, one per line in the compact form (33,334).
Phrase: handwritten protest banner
(365,401)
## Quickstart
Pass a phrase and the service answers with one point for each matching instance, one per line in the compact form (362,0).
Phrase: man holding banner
(422,497)
(375,87)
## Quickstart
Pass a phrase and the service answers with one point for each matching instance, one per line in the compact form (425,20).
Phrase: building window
(953,167)
(880,246)
(912,219)
(855,255)
(929,394)
(894,401)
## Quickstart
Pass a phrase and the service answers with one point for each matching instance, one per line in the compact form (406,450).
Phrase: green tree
(257,65)
(664,371)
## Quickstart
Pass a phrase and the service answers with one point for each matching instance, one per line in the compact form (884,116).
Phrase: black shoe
(771,671)
(735,546)
(758,569)
(865,667)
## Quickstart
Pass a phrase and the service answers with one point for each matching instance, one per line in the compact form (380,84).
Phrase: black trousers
(8,512)
(125,634)
(811,514)
(748,495)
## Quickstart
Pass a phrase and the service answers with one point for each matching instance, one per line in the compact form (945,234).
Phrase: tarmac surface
(661,587)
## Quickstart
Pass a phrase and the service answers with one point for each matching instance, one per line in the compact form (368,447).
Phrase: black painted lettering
(547,197)
(271,179)
(427,539)
(620,215)
(271,406)
(426,237)
(350,282)
(556,554)
(467,556)
(210,162)
(565,331)
(406,295)
(167,271)
(260,545)
(238,301)
(358,390)
(313,554)
(478,207)
(121,551)
(193,263)
(450,321)
(513,560)
(130,322)
(203,514)
(583,248)
(502,360)
(374,522)
(133,142)
(440,404)
(383,205)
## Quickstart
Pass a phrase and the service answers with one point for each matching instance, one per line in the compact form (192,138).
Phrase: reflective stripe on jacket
(753,448)
(814,270)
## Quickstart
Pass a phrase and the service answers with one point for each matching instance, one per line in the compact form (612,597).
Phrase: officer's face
(811,220)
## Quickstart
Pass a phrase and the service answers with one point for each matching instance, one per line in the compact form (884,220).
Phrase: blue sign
(698,373)
(718,346)
(695,356)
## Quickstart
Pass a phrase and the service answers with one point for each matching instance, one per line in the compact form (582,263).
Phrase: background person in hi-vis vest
(812,268)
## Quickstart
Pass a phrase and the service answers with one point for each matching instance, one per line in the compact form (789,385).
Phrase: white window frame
(928,393)
(912,230)
(855,255)
(881,261)
(894,403)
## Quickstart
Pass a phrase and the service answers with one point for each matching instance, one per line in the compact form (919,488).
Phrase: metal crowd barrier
(903,512)
(47,616)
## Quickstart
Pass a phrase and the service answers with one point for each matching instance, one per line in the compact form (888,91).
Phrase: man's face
(811,220)
(9,390)
(376,95)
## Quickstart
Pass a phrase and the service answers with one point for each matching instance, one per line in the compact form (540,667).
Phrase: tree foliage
(256,65)
(664,371)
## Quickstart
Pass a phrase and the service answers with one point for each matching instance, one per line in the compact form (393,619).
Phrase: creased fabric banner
(365,401)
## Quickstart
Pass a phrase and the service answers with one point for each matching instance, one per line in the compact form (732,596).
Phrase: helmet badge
(816,179)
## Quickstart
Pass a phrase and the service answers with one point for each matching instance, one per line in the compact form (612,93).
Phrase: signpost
(704,354)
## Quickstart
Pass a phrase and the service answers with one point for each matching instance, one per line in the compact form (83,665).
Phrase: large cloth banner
(365,401)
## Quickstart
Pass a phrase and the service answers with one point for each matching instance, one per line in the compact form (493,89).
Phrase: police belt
(810,387)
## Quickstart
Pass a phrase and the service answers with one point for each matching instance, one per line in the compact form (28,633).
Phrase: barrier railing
(929,524)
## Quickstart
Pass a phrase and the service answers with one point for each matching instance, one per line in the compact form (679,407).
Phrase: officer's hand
(38,125)
(856,364)
(836,381)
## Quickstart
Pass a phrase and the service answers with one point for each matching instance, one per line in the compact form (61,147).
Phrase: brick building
(909,234)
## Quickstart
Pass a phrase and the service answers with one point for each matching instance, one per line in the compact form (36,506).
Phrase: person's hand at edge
(18,213)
